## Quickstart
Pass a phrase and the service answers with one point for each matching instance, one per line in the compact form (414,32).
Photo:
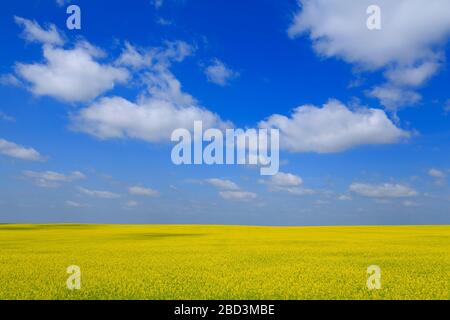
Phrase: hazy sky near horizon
(86,115)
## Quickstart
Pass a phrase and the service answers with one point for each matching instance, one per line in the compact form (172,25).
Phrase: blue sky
(86,115)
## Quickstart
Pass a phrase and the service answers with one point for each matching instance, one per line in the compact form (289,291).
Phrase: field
(223,262)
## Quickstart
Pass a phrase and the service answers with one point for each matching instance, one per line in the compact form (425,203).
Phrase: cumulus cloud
(386,190)
(51,179)
(333,128)
(435,173)
(99,193)
(410,30)
(162,108)
(20,152)
(151,119)
(33,32)
(219,73)
(288,183)
(76,75)
(72,75)
(237,195)
(141,191)
(222,184)
(229,190)
(409,46)
(282,179)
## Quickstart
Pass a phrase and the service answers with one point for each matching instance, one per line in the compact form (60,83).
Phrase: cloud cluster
(161,108)
(436,173)
(229,190)
(76,75)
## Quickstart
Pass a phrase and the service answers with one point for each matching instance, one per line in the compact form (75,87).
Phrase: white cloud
(344,197)
(237,195)
(99,193)
(71,75)
(386,190)
(222,184)
(409,46)
(230,190)
(51,179)
(151,119)
(141,191)
(333,128)
(33,32)
(219,73)
(412,76)
(282,179)
(410,30)
(20,152)
(393,97)
(135,58)
(435,173)
(288,183)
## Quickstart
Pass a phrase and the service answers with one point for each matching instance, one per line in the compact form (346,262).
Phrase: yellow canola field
(223,262)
